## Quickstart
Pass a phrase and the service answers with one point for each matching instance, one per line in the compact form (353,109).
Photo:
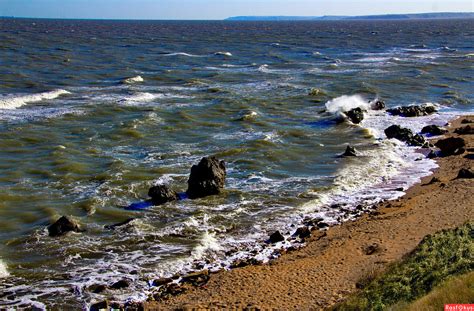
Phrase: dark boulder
(451,145)
(97,289)
(433,130)
(466,121)
(350,152)
(103,305)
(196,278)
(120,284)
(206,178)
(161,194)
(465,130)
(355,115)
(302,232)
(465,173)
(62,226)
(412,111)
(377,105)
(276,237)
(405,135)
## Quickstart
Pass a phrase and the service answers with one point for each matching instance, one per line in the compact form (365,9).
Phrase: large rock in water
(206,178)
(412,111)
(378,105)
(451,145)
(350,152)
(405,135)
(161,194)
(433,130)
(62,226)
(355,115)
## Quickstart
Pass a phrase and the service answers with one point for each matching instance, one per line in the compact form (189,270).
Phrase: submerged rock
(412,111)
(465,173)
(62,226)
(161,194)
(405,135)
(206,178)
(433,130)
(103,305)
(355,115)
(120,284)
(276,237)
(465,130)
(451,146)
(378,105)
(120,224)
(350,152)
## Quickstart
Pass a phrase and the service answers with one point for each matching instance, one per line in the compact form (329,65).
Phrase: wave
(3,270)
(132,80)
(345,103)
(184,54)
(13,102)
(141,97)
(223,53)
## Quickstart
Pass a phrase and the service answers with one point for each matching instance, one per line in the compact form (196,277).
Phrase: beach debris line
(62,226)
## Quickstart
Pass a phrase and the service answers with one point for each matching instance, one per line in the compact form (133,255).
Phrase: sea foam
(132,80)
(13,102)
(3,270)
(346,102)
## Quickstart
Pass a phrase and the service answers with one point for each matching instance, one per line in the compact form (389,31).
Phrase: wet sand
(326,270)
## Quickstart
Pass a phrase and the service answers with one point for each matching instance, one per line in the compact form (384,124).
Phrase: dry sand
(327,269)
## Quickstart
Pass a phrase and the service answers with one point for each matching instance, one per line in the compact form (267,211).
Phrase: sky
(220,9)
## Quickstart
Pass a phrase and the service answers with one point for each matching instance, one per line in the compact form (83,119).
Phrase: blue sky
(219,9)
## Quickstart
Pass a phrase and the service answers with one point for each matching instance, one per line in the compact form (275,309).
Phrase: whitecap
(132,80)
(183,54)
(223,53)
(3,270)
(16,101)
(346,102)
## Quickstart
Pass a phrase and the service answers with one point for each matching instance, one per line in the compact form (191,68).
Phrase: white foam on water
(3,270)
(223,53)
(132,80)
(346,102)
(183,54)
(16,101)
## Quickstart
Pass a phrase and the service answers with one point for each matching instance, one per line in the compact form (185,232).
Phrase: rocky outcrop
(196,278)
(120,284)
(355,115)
(412,111)
(276,237)
(302,232)
(464,130)
(405,135)
(451,146)
(102,305)
(350,152)
(433,130)
(466,121)
(206,178)
(62,226)
(377,105)
(465,173)
(161,194)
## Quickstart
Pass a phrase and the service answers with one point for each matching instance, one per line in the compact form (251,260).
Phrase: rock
(162,281)
(355,115)
(322,225)
(451,145)
(206,178)
(377,105)
(276,237)
(432,154)
(466,121)
(123,223)
(302,232)
(465,173)
(350,152)
(245,262)
(168,290)
(465,130)
(120,284)
(196,278)
(433,130)
(161,194)
(412,111)
(62,226)
(103,305)
(369,250)
(433,180)
(97,289)
(405,135)
(315,92)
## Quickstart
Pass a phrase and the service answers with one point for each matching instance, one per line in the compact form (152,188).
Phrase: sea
(93,113)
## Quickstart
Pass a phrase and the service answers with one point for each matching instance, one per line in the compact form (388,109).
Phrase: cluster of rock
(405,135)
(206,178)
(356,115)
(412,111)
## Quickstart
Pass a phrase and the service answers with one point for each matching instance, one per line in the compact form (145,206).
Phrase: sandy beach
(327,269)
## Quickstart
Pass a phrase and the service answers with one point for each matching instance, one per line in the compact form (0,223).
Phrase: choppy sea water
(93,113)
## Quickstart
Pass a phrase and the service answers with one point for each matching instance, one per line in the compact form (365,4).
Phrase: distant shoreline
(392,17)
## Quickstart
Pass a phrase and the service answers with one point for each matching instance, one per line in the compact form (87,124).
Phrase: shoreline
(326,270)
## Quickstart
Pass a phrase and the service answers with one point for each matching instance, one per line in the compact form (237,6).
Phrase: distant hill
(363,17)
